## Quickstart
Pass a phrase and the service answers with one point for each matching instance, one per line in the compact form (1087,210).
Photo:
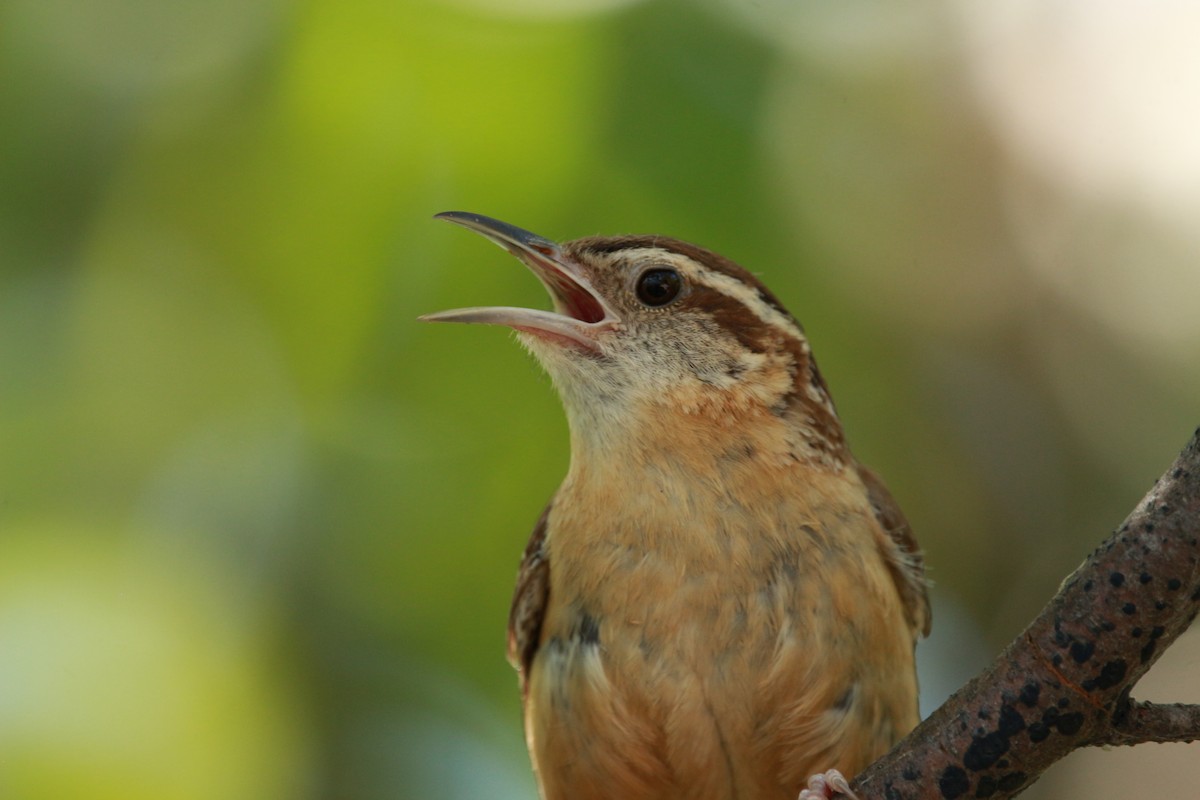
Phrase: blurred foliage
(258,527)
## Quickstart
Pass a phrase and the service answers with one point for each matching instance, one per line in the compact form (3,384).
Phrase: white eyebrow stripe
(727,285)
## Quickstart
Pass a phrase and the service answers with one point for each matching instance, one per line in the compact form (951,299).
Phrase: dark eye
(657,287)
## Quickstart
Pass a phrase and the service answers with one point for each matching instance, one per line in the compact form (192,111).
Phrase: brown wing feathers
(903,555)
(529,602)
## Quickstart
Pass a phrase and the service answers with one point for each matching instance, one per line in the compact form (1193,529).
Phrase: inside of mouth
(573,300)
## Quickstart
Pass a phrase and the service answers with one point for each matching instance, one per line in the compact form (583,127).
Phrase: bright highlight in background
(126,673)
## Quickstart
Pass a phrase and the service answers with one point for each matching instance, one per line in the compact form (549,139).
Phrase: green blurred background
(259,527)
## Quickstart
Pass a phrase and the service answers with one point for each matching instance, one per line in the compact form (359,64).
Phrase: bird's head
(646,329)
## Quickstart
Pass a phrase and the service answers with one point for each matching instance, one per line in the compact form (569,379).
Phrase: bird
(719,601)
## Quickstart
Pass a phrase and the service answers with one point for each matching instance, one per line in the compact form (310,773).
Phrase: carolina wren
(719,600)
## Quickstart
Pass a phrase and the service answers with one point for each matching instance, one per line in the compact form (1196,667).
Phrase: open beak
(580,313)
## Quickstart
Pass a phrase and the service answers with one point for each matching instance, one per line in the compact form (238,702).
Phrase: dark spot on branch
(1087,585)
(1122,712)
(1038,732)
(1148,527)
(1069,724)
(1011,721)
(1116,578)
(1030,693)
(985,751)
(953,782)
(1148,651)
(1145,578)
(1107,626)
(910,773)
(1174,584)
(1082,651)
(1129,608)
(987,786)
(1111,674)
(1136,633)
(1159,605)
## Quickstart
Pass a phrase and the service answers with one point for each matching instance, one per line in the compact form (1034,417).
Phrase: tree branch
(1064,682)
(1152,722)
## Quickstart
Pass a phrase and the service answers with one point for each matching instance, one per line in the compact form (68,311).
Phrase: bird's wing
(902,552)
(529,602)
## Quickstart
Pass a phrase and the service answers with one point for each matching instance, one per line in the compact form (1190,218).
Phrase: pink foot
(826,786)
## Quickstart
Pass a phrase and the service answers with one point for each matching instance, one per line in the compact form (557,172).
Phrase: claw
(827,786)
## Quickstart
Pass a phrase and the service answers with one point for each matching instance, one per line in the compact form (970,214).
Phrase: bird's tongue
(571,298)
